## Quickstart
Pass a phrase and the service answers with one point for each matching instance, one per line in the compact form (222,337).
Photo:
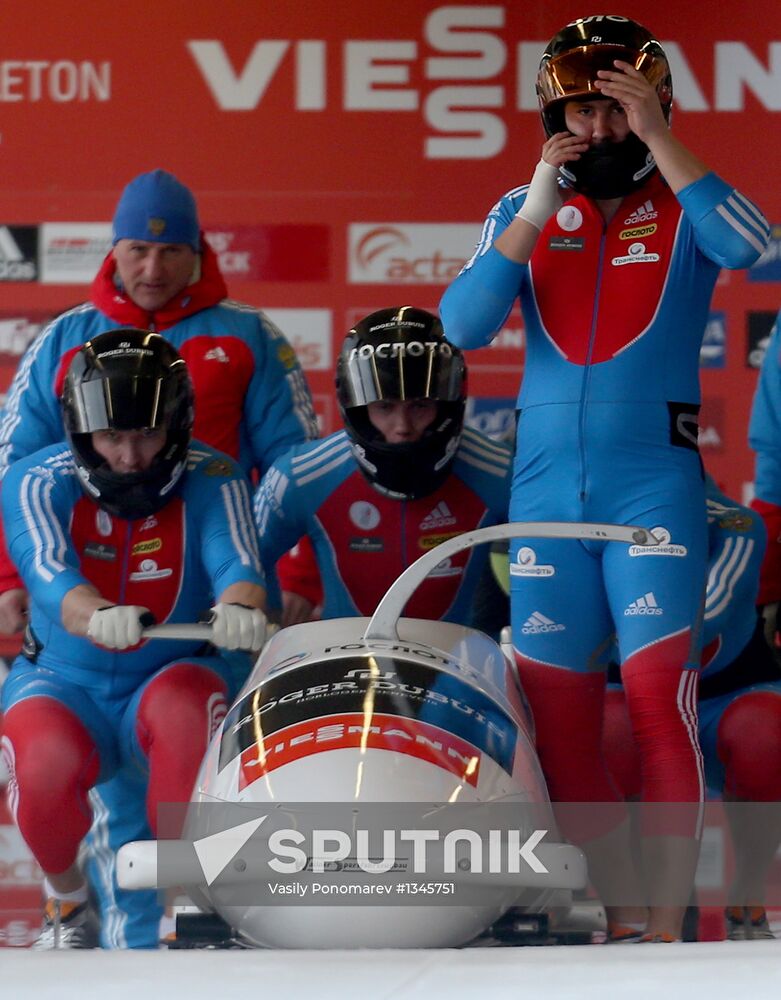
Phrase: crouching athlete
(126,523)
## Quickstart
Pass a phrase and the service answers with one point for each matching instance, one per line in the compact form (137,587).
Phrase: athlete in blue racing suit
(402,477)
(123,524)
(614,280)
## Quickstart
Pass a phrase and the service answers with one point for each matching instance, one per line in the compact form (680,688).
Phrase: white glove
(543,197)
(235,626)
(119,625)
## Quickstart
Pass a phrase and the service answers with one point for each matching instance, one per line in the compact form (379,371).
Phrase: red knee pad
(179,712)
(661,697)
(748,743)
(568,709)
(53,762)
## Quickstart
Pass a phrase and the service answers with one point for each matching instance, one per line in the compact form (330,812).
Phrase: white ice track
(707,971)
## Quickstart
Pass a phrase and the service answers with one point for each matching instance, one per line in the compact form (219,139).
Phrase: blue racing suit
(614,315)
(363,539)
(252,402)
(173,562)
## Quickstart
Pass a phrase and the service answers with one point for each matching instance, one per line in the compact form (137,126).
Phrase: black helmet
(568,70)
(128,379)
(401,353)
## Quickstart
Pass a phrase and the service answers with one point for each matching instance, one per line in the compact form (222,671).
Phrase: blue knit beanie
(157,208)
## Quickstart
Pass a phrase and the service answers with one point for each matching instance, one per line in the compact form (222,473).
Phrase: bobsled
(378,716)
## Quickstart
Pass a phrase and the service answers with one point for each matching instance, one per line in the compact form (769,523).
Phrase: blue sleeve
(736,546)
(279,521)
(728,228)
(31,417)
(278,406)
(37,501)
(764,432)
(478,301)
(229,546)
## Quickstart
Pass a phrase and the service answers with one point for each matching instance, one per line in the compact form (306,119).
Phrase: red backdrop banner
(344,156)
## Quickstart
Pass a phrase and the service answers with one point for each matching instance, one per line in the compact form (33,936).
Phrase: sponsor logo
(149,523)
(637,233)
(364,515)
(309,332)
(216,354)
(644,213)
(714,342)
(525,564)
(219,467)
(446,568)
(397,684)
(493,417)
(274,252)
(398,349)
(99,550)
(16,332)
(736,522)
(18,253)
(408,253)
(636,254)
(665,547)
(440,517)
(367,543)
(566,243)
(340,732)
(216,710)
(569,218)
(148,570)
(103,523)
(71,253)
(537,623)
(760,329)
(144,548)
(645,605)
(431,541)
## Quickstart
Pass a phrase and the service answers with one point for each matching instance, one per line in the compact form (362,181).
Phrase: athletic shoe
(67,925)
(622,933)
(747,923)
(659,939)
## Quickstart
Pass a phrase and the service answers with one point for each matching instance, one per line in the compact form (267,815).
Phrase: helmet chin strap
(610,169)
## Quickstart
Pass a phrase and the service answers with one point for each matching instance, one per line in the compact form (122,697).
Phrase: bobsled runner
(419,730)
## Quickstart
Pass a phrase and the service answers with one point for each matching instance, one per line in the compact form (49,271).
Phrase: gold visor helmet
(569,66)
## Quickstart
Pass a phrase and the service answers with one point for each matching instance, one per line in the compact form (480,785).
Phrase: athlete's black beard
(610,169)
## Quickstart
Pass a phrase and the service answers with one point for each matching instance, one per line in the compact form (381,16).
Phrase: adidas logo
(537,623)
(13,264)
(216,354)
(439,517)
(641,214)
(645,605)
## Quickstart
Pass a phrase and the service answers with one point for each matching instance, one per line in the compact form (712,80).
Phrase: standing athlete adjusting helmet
(613,249)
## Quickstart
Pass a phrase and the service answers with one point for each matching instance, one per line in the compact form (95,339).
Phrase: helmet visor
(573,73)
(402,370)
(128,403)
